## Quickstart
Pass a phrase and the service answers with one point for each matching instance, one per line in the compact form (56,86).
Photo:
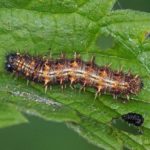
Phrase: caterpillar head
(9,62)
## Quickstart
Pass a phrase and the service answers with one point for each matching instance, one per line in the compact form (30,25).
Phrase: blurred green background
(43,135)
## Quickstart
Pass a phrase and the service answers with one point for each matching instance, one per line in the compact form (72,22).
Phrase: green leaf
(76,25)
(9,115)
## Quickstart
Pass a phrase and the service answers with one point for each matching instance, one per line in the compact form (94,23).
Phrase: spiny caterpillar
(133,118)
(63,70)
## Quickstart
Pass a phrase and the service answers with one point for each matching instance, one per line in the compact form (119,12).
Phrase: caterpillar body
(75,70)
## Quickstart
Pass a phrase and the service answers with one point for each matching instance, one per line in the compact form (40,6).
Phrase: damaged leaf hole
(141,5)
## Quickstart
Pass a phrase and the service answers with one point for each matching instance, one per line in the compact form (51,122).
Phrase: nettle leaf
(38,27)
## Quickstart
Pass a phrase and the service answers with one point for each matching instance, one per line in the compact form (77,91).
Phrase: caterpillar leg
(128,97)
(115,96)
(99,88)
(83,87)
(28,82)
(46,85)
(46,89)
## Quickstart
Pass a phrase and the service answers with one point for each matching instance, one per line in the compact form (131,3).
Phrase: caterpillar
(133,118)
(63,70)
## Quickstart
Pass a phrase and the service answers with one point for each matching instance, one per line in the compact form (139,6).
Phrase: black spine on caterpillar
(133,118)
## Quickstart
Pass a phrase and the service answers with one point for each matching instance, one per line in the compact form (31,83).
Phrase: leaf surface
(76,25)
